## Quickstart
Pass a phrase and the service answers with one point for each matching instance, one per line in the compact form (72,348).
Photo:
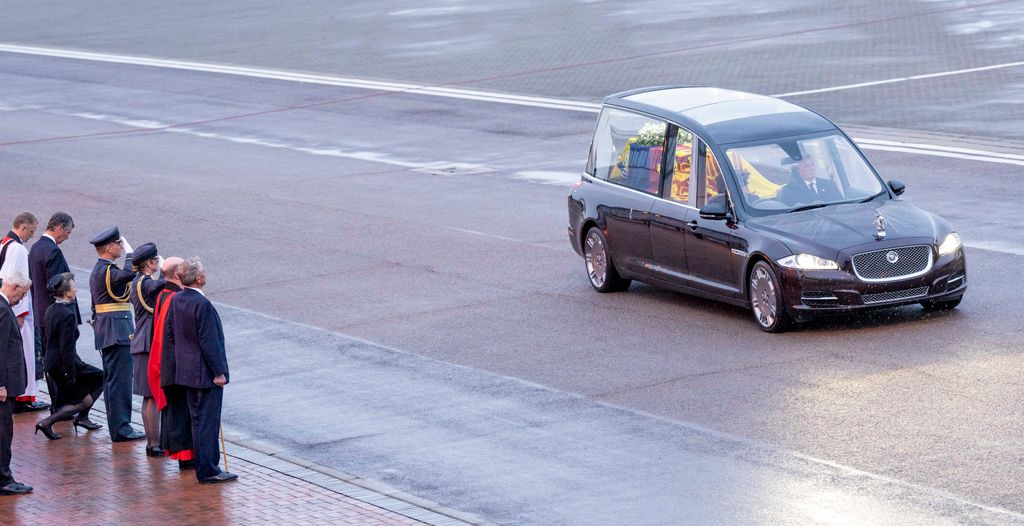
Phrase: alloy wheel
(763,296)
(597,258)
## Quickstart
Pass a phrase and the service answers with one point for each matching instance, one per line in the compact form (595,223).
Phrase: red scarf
(163,301)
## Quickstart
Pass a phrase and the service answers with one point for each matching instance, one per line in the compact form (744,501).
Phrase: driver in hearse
(805,188)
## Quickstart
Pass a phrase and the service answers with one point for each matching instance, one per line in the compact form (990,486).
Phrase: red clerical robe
(160,311)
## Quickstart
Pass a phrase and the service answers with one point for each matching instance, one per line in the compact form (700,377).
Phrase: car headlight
(807,262)
(950,244)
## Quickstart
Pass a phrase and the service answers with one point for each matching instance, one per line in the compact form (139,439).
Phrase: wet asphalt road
(506,386)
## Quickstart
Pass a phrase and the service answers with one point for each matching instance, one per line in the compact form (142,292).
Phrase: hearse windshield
(796,174)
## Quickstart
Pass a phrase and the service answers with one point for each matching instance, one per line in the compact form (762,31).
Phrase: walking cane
(223,449)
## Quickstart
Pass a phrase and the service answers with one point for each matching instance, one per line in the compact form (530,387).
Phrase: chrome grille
(893,263)
(895,295)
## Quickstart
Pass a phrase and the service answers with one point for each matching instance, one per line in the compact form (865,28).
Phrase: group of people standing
(158,336)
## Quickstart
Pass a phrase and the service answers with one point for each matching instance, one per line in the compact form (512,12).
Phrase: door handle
(692,224)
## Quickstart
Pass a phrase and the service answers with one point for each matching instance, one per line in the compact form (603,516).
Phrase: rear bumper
(575,220)
(838,291)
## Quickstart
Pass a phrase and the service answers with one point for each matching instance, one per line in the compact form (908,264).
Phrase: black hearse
(754,201)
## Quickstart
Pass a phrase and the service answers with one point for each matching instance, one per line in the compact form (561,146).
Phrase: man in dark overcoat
(194,334)
(12,375)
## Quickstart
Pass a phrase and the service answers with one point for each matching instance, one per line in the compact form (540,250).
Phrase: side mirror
(714,211)
(897,187)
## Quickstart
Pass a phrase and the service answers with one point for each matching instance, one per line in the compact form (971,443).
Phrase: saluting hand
(220,381)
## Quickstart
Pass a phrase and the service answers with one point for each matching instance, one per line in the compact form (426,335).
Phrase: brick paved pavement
(87,480)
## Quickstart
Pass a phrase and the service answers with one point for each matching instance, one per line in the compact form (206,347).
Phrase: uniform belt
(113,307)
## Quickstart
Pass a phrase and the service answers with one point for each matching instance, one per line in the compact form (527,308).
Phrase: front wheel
(600,268)
(766,300)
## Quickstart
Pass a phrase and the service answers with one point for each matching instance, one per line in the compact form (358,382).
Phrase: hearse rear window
(628,149)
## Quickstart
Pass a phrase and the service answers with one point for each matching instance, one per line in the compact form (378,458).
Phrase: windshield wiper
(872,197)
(808,207)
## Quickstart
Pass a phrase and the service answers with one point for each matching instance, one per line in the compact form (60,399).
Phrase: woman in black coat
(78,384)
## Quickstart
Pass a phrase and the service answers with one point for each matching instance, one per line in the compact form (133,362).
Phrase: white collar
(4,296)
(197,290)
(51,237)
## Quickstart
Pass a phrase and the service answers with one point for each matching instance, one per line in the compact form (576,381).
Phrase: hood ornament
(879,226)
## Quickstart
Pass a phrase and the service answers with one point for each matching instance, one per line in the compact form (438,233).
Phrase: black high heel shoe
(88,425)
(47,430)
(155,451)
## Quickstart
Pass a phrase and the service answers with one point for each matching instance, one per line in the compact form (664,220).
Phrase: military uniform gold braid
(138,291)
(110,291)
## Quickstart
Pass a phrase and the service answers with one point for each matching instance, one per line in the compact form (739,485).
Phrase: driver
(804,187)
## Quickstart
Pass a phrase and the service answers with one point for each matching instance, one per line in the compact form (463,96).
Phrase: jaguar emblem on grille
(892,256)
(880,227)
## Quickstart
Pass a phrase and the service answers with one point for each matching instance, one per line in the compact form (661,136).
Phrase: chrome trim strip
(690,278)
(820,298)
(927,268)
(740,253)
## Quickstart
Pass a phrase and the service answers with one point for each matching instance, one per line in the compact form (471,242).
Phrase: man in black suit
(12,375)
(193,333)
(45,260)
(805,188)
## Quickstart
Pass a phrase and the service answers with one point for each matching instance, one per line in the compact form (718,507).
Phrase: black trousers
(39,354)
(6,437)
(204,405)
(117,390)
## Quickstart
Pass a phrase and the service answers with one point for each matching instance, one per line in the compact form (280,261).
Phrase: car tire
(766,300)
(598,262)
(941,304)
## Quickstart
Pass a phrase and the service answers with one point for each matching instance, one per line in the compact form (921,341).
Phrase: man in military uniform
(113,327)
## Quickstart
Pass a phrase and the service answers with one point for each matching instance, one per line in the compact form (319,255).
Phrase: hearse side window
(713,187)
(628,149)
(682,168)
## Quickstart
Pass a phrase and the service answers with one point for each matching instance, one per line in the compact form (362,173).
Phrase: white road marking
(291,76)
(548,177)
(900,79)
(505,98)
(255,141)
(939,151)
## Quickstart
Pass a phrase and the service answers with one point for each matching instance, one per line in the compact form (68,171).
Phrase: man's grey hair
(60,219)
(16,279)
(189,271)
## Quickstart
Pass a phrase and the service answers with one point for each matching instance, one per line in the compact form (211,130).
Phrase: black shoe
(47,430)
(223,476)
(133,435)
(154,451)
(30,407)
(186,464)
(15,488)
(87,424)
